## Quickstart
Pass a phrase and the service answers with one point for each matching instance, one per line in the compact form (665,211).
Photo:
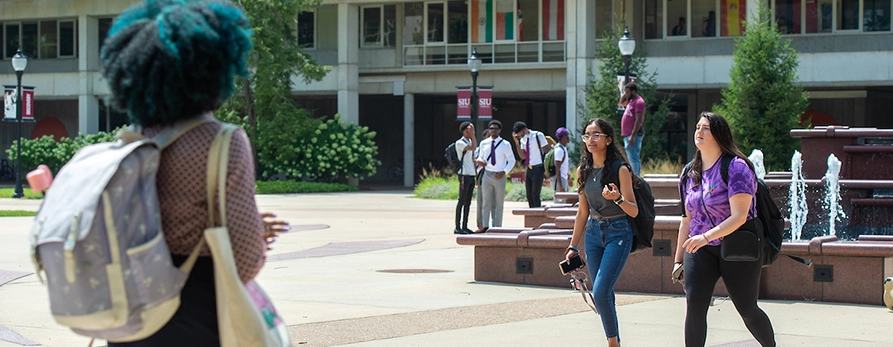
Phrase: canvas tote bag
(245,314)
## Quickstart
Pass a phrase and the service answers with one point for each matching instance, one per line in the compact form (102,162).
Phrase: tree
(602,95)
(762,103)
(266,94)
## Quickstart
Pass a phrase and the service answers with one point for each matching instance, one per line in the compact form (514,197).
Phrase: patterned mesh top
(182,193)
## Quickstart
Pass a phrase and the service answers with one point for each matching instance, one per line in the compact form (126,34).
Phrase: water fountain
(832,194)
(797,197)
(756,157)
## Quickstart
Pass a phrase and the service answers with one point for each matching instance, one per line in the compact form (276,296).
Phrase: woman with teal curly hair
(169,61)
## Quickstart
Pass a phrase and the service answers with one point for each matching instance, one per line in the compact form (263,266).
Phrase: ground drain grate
(414,271)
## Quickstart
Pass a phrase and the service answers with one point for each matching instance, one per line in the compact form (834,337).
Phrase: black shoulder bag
(742,244)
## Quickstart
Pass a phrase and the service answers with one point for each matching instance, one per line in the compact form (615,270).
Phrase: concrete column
(580,37)
(88,66)
(408,140)
(753,9)
(348,73)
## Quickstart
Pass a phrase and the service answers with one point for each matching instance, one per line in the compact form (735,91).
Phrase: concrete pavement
(383,269)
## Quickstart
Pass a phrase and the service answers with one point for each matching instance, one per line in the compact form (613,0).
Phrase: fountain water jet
(797,197)
(832,194)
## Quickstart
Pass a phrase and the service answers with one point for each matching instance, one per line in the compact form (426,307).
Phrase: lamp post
(19,62)
(627,46)
(474,64)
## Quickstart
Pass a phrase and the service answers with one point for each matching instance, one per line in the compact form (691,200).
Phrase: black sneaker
(459,231)
(467,231)
(485,230)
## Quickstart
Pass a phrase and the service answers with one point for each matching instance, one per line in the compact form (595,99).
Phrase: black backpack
(768,214)
(452,157)
(643,224)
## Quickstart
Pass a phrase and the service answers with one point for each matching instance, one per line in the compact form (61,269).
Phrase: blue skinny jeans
(607,248)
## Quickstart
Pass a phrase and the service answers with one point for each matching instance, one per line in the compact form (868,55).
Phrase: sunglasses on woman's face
(593,136)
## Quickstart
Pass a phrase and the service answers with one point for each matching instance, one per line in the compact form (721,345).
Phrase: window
(67,39)
(457,28)
(378,26)
(705,12)
(787,16)
(876,16)
(49,43)
(29,39)
(435,23)
(819,16)
(553,20)
(734,15)
(847,14)
(677,25)
(11,41)
(604,22)
(105,24)
(413,23)
(528,20)
(307,29)
(654,21)
(371,18)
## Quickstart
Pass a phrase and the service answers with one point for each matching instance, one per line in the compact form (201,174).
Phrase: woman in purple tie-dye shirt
(707,196)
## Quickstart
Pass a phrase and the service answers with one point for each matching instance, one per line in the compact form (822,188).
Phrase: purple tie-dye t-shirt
(716,195)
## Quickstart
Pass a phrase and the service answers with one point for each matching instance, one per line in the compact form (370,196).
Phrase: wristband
(705,238)
(573,248)
(619,201)
(678,263)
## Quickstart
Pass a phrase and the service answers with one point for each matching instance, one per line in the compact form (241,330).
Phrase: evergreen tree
(762,103)
(602,97)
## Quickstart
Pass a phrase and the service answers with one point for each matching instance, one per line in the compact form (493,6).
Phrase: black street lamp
(627,46)
(19,62)
(474,64)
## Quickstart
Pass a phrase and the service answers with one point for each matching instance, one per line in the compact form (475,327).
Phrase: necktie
(493,152)
(527,149)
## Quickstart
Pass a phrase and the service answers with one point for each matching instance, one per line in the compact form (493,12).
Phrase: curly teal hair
(167,60)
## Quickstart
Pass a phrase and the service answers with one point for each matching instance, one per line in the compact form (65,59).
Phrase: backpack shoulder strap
(172,134)
(724,167)
(615,172)
(683,180)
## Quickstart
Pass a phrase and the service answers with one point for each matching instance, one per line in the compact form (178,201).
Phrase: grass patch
(8,192)
(16,213)
(447,188)
(295,187)
(662,166)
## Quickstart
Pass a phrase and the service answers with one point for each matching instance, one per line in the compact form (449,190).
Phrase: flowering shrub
(46,150)
(333,149)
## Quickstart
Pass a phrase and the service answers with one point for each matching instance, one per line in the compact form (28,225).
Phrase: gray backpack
(98,238)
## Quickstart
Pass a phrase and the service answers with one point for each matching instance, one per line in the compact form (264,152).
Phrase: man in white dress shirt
(497,159)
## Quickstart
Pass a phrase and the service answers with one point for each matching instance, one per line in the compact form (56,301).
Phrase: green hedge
(292,187)
(17,213)
(6,193)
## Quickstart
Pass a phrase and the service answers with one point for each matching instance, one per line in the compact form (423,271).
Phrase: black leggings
(466,190)
(195,323)
(702,269)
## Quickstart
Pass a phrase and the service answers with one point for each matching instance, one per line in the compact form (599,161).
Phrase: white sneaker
(888,292)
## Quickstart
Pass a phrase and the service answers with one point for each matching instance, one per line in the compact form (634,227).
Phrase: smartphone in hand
(576,262)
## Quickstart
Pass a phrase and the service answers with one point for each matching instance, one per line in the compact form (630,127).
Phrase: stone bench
(842,271)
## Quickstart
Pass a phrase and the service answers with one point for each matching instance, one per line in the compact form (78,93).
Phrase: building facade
(395,65)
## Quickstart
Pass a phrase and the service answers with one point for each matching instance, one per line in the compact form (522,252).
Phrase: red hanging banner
(485,103)
(463,104)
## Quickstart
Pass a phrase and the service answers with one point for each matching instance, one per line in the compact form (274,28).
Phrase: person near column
(561,181)
(479,170)
(532,148)
(707,196)
(602,214)
(465,147)
(632,126)
(497,158)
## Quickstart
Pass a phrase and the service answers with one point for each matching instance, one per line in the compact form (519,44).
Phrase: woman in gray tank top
(602,213)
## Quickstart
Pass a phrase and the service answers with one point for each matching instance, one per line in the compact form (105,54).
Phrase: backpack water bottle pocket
(152,272)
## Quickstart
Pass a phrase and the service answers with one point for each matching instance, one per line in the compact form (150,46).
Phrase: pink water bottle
(40,179)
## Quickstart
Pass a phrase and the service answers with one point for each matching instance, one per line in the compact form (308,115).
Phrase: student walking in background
(602,214)
(532,147)
(465,147)
(561,181)
(632,126)
(497,159)
(707,199)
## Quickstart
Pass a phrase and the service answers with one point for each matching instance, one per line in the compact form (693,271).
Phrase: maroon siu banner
(463,104)
(485,103)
